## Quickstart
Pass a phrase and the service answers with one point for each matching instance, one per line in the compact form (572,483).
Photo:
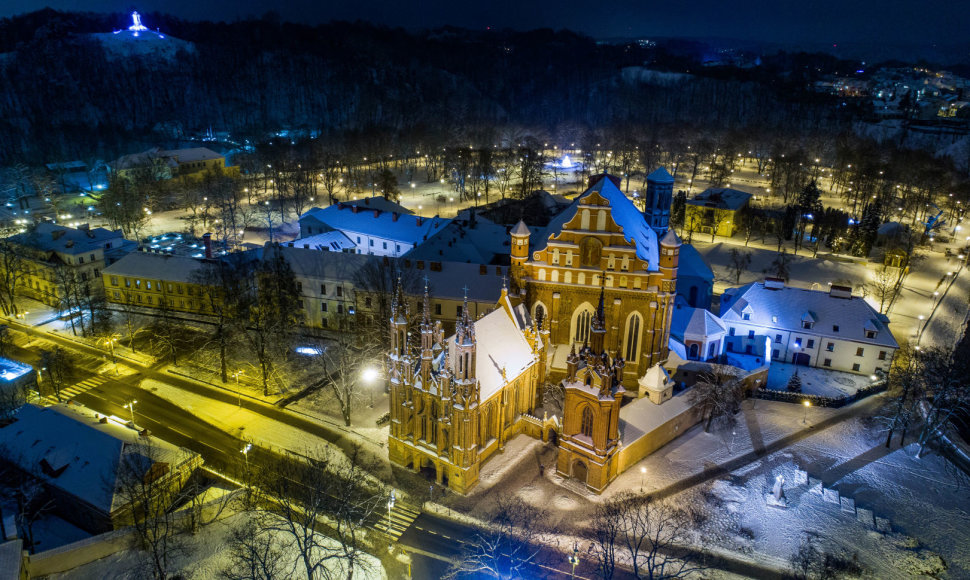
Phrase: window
(774,319)
(138,284)
(92,257)
(117,294)
(750,334)
(367,302)
(323,322)
(385,245)
(340,291)
(587,425)
(835,328)
(169,287)
(807,325)
(97,273)
(370,243)
(748,349)
(859,351)
(80,259)
(437,309)
(114,280)
(323,289)
(745,316)
(870,334)
(299,286)
(397,247)
(323,307)
(582,326)
(882,355)
(340,309)
(855,367)
(778,338)
(830,347)
(798,343)
(84,277)
(827,362)
(178,288)
(774,353)
(358,239)
(811,343)
(731,331)
(729,347)
(148,284)
(632,337)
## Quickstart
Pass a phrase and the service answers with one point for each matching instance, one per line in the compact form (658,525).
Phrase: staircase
(402,515)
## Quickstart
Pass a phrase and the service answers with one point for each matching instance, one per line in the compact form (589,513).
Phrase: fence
(818,400)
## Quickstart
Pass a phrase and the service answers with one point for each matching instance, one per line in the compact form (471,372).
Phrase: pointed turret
(597,329)
(657,200)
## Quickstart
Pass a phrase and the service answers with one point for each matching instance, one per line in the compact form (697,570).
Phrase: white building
(832,330)
(372,230)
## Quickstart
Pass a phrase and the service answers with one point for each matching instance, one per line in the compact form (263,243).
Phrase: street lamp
(574,560)
(390,504)
(805,416)
(643,474)
(245,452)
(131,407)
(368,375)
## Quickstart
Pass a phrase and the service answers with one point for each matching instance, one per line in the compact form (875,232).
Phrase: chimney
(366,201)
(377,213)
(340,205)
(837,291)
(395,216)
(354,208)
(774,283)
(419,221)
(207,240)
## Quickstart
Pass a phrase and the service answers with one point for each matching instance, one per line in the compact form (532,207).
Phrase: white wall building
(832,330)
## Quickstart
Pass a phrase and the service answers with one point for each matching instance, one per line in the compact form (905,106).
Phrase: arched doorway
(580,472)
(693,352)
(552,436)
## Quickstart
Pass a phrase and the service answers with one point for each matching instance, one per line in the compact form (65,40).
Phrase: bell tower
(465,400)
(519,253)
(657,200)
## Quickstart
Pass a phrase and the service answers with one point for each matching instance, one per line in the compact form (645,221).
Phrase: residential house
(371,230)
(714,211)
(831,330)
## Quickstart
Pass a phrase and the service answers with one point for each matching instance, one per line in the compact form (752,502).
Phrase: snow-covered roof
(689,323)
(334,241)
(310,264)
(69,448)
(190,154)
(655,379)
(168,267)
(660,175)
(520,229)
(379,202)
(624,213)
(853,316)
(463,240)
(721,198)
(499,345)
(691,263)
(358,220)
(642,416)
(52,237)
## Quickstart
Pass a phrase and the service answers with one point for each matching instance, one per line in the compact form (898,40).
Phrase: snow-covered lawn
(204,556)
(815,381)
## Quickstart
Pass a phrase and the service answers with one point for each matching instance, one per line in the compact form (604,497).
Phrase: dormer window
(746,316)
(807,325)
(808,320)
(871,329)
(835,328)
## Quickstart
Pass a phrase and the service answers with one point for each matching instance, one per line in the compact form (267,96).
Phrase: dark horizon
(829,23)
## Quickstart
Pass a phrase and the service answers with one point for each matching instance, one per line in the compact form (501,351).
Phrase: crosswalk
(74,390)
(401,517)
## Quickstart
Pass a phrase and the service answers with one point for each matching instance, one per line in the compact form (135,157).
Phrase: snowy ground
(203,556)
(816,381)
(925,500)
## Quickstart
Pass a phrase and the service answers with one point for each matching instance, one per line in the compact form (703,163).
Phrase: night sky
(893,22)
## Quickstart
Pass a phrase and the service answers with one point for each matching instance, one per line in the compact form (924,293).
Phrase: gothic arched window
(632,337)
(582,326)
(587,425)
(540,314)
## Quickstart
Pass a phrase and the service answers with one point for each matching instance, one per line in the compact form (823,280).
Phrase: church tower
(519,253)
(657,200)
(465,400)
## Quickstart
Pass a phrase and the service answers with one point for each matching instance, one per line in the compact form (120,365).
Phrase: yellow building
(168,163)
(58,258)
(600,244)
(715,211)
(456,401)
(149,280)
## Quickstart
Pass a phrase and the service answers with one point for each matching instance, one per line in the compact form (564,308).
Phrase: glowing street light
(369,375)
(245,452)
(574,560)
(805,416)
(643,474)
(131,407)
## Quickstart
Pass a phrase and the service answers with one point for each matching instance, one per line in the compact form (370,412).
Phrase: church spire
(427,304)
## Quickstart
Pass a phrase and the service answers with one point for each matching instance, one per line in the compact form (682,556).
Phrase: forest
(69,89)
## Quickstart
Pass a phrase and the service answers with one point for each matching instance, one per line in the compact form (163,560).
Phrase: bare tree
(13,272)
(740,261)
(320,504)
(344,363)
(256,551)
(58,364)
(781,265)
(810,562)
(718,392)
(509,545)
(646,535)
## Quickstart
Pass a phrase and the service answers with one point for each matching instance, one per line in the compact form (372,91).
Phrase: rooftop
(151,266)
(334,241)
(71,448)
(191,154)
(379,202)
(50,237)
(356,219)
(779,306)
(721,198)
(500,347)
(688,323)
(691,263)
(474,240)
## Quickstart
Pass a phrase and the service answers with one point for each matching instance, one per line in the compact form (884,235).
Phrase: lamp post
(805,416)
(390,504)
(643,474)
(131,407)
(574,560)
(368,375)
(245,452)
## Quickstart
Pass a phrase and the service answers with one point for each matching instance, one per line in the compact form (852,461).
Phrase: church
(590,307)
